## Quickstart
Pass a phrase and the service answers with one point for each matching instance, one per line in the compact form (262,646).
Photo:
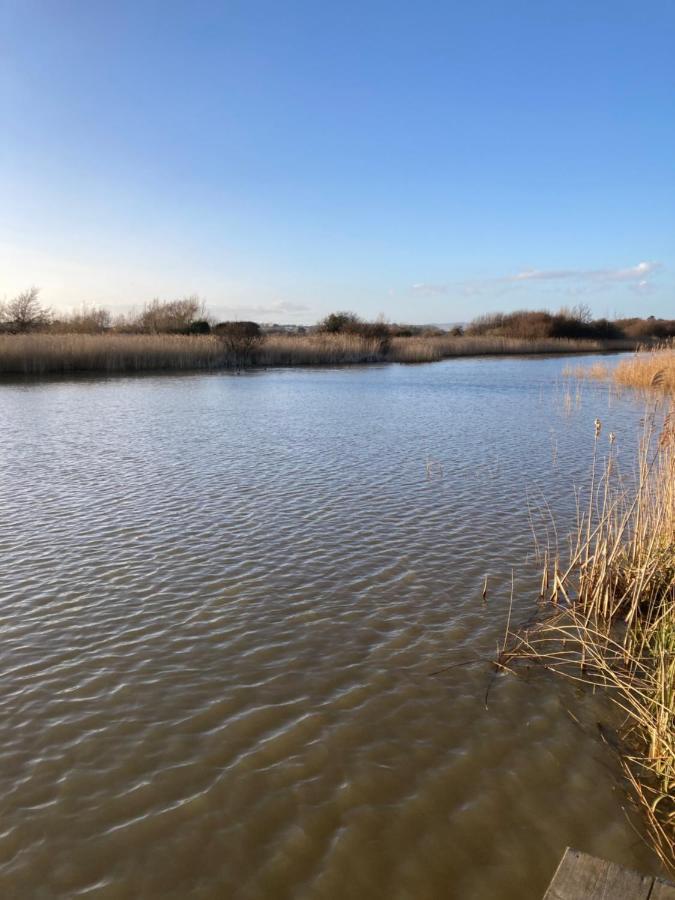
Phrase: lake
(244,649)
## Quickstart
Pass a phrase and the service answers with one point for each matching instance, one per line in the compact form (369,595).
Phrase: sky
(428,162)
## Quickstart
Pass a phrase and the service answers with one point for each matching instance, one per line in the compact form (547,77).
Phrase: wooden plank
(662,890)
(584,877)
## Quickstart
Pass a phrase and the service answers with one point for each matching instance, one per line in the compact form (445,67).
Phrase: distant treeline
(567,324)
(189,315)
(576,323)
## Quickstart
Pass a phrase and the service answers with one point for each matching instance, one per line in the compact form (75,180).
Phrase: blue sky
(427,161)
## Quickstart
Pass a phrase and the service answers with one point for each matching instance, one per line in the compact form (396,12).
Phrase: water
(223,599)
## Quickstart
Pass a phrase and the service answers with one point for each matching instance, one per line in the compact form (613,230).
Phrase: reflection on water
(222,602)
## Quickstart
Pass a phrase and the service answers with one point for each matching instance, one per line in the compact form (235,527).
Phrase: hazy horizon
(429,164)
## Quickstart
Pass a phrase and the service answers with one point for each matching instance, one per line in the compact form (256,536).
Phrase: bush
(405,330)
(241,339)
(338,322)
(645,329)
(572,324)
(565,326)
(373,331)
(349,323)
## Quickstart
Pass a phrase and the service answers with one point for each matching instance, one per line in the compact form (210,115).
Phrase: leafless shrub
(88,319)
(169,316)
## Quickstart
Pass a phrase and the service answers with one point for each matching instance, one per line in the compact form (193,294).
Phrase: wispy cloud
(430,290)
(636,273)
(637,277)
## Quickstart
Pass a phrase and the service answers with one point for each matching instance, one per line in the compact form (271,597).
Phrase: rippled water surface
(223,599)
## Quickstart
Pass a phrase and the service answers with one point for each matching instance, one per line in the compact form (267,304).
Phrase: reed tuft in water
(611,619)
(645,370)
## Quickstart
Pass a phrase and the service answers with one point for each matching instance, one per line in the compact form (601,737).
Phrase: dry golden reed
(42,354)
(45,353)
(646,369)
(447,346)
(653,369)
(318,349)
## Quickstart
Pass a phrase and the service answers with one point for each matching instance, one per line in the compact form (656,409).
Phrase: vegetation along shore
(608,604)
(181,335)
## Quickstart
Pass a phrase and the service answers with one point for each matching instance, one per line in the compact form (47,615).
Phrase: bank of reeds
(447,346)
(39,353)
(319,349)
(647,369)
(42,354)
(611,618)
(652,369)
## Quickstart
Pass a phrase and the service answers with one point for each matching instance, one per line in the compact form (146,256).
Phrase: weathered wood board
(662,890)
(583,877)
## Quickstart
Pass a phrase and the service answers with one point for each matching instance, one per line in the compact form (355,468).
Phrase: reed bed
(611,618)
(652,369)
(319,349)
(41,353)
(418,349)
(647,369)
(339,349)
(430,349)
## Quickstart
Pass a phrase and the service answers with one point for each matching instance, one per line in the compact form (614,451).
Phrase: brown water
(222,601)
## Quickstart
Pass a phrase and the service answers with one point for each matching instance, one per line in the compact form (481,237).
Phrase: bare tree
(88,319)
(25,311)
(172,315)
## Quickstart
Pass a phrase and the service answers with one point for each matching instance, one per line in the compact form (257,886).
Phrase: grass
(609,615)
(44,353)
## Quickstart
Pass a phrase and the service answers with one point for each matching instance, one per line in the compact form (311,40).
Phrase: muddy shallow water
(223,599)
